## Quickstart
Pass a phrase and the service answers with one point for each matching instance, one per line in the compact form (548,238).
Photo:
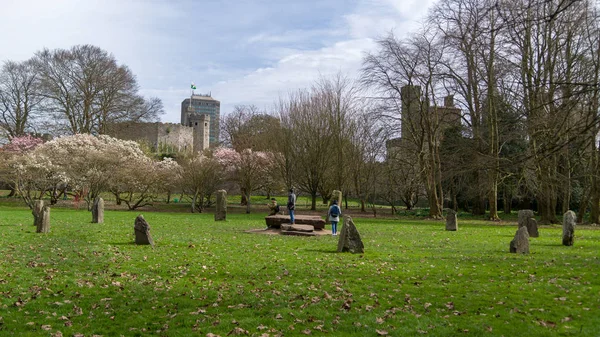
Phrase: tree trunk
(194,198)
(248,203)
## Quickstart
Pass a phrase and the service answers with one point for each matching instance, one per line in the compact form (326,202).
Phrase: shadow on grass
(551,244)
(328,251)
(122,243)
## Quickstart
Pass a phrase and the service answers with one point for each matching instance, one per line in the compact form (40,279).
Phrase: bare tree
(85,89)
(20,97)
(407,75)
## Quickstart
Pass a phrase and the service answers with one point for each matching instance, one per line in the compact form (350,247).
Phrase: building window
(196,123)
(205,124)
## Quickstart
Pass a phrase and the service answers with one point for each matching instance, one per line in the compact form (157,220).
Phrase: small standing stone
(98,210)
(524,215)
(142,232)
(527,219)
(569,219)
(44,221)
(520,244)
(336,195)
(350,238)
(221,212)
(532,228)
(38,206)
(451,220)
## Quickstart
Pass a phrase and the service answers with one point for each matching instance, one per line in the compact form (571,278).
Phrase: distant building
(412,108)
(204,111)
(199,128)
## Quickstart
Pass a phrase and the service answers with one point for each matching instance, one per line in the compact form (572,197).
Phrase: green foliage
(205,277)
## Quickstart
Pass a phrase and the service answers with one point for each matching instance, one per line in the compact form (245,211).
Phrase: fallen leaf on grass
(381,332)
(566,319)
(547,324)
(347,304)
(450,305)
(210,334)
(306,332)
(46,327)
(278,316)
(237,331)
(379,320)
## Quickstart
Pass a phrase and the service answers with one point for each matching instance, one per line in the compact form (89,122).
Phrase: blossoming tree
(251,170)
(199,176)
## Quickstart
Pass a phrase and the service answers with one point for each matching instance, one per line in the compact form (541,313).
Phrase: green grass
(205,277)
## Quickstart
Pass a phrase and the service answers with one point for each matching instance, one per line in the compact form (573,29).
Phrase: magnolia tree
(90,162)
(138,182)
(199,176)
(11,152)
(34,175)
(251,170)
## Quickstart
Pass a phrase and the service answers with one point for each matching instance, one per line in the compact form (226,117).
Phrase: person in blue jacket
(334,214)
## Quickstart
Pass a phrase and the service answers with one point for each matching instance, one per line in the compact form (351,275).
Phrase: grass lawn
(205,278)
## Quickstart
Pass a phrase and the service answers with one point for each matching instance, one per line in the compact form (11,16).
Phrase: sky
(241,51)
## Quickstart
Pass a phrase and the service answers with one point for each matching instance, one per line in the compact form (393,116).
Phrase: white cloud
(245,54)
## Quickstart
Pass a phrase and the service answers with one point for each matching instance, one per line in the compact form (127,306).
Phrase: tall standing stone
(524,215)
(142,232)
(221,212)
(569,220)
(98,210)
(38,206)
(44,220)
(527,219)
(350,238)
(336,195)
(520,244)
(451,220)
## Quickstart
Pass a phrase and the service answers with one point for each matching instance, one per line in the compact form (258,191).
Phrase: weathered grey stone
(524,215)
(350,238)
(532,228)
(275,221)
(98,210)
(451,220)
(142,231)
(527,219)
(296,233)
(38,206)
(336,195)
(520,244)
(569,220)
(297,228)
(44,220)
(221,211)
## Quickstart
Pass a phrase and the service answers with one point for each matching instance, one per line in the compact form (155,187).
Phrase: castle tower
(197,105)
(201,125)
(411,107)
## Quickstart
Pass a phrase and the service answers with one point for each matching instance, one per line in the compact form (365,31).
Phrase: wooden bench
(275,221)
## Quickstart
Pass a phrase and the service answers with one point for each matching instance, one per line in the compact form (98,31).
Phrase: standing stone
(336,195)
(221,212)
(451,220)
(527,219)
(38,207)
(44,221)
(142,232)
(98,210)
(569,219)
(524,215)
(520,244)
(532,228)
(350,238)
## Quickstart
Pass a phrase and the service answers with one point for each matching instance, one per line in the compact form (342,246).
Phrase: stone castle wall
(157,135)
